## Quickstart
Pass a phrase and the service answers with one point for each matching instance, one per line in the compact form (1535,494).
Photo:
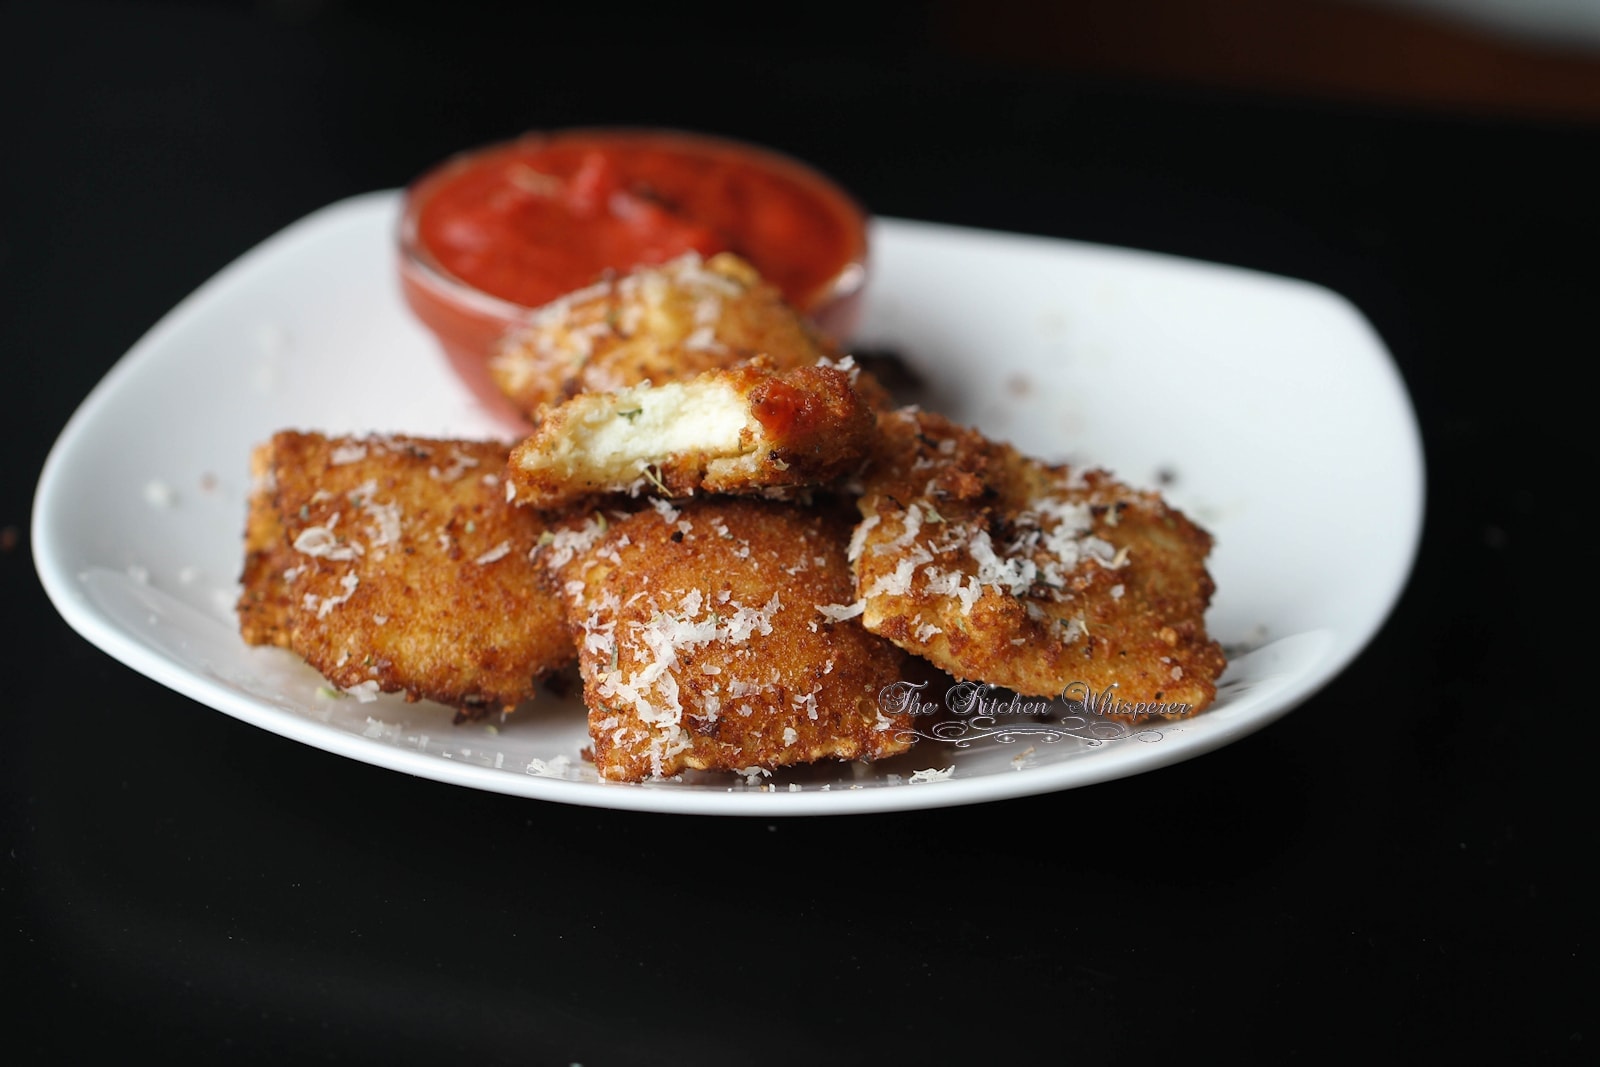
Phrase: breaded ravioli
(710,637)
(264,606)
(1002,569)
(398,566)
(744,430)
(657,324)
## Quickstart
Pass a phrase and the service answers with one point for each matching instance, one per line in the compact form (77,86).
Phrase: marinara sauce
(494,232)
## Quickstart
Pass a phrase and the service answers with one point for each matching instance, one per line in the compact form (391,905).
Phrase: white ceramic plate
(1266,408)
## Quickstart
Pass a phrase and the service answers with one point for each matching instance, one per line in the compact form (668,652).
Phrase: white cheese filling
(619,433)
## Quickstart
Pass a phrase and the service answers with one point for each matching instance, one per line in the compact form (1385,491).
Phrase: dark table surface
(1393,867)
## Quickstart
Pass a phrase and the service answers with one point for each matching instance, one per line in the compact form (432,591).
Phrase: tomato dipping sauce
(492,233)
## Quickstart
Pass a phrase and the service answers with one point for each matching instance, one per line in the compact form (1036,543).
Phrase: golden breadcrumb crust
(1002,569)
(394,564)
(264,607)
(702,644)
(657,324)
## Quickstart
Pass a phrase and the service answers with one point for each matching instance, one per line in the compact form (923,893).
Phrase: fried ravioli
(742,430)
(264,606)
(710,638)
(655,324)
(1002,569)
(394,564)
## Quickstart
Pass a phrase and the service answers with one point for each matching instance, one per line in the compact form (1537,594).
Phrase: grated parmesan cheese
(322,543)
(499,551)
(555,767)
(323,605)
(840,612)
(159,494)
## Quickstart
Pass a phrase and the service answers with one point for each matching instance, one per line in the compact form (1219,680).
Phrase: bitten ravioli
(709,638)
(744,430)
(999,568)
(394,564)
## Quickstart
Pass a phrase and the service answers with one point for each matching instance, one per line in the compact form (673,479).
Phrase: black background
(1392,868)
